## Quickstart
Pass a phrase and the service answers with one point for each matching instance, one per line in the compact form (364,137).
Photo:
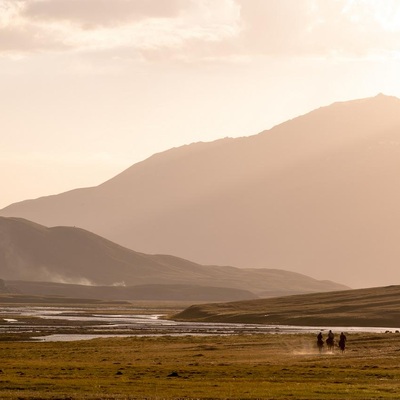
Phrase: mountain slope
(318,195)
(32,252)
(3,287)
(179,292)
(362,307)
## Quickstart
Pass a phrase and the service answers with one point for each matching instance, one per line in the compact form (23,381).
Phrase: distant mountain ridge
(318,195)
(32,252)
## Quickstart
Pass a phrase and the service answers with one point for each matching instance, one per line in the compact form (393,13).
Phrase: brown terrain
(377,307)
(47,259)
(317,195)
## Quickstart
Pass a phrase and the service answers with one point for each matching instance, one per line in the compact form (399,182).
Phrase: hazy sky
(90,87)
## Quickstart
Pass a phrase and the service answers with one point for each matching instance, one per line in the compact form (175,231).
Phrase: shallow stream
(75,323)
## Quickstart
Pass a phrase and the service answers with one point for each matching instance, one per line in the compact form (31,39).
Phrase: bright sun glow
(384,12)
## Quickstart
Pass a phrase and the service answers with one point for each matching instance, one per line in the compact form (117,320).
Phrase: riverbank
(84,322)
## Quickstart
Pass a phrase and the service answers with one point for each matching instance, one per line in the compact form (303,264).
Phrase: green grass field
(272,366)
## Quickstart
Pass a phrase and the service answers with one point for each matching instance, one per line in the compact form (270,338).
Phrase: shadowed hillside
(3,287)
(32,252)
(363,307)
(129,293)
(318,195)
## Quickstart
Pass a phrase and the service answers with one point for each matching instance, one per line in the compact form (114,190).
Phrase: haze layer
(317,195)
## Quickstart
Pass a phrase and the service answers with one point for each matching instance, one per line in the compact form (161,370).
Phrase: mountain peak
(382,95)
(317,195)
(378,99)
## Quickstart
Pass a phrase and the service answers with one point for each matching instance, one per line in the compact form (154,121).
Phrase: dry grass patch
(217,367)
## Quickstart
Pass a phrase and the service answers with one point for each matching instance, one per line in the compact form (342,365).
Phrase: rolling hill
(317,195)
(178,292)
(68,255)
(361,307)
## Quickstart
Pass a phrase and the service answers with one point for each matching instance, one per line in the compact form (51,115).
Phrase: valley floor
(236,364)
(266,366)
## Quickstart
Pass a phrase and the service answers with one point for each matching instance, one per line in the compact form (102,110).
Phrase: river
(82,323)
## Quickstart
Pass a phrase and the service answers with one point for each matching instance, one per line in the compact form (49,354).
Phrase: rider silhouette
(320,341)
(342,341)
(331,339)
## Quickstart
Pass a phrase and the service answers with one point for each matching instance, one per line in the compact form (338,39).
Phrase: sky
(90,87)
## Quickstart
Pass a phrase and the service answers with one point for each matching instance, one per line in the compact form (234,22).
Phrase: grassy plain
(271,366)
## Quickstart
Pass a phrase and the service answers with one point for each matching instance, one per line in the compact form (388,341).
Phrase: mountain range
(74,262)
(318,195)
